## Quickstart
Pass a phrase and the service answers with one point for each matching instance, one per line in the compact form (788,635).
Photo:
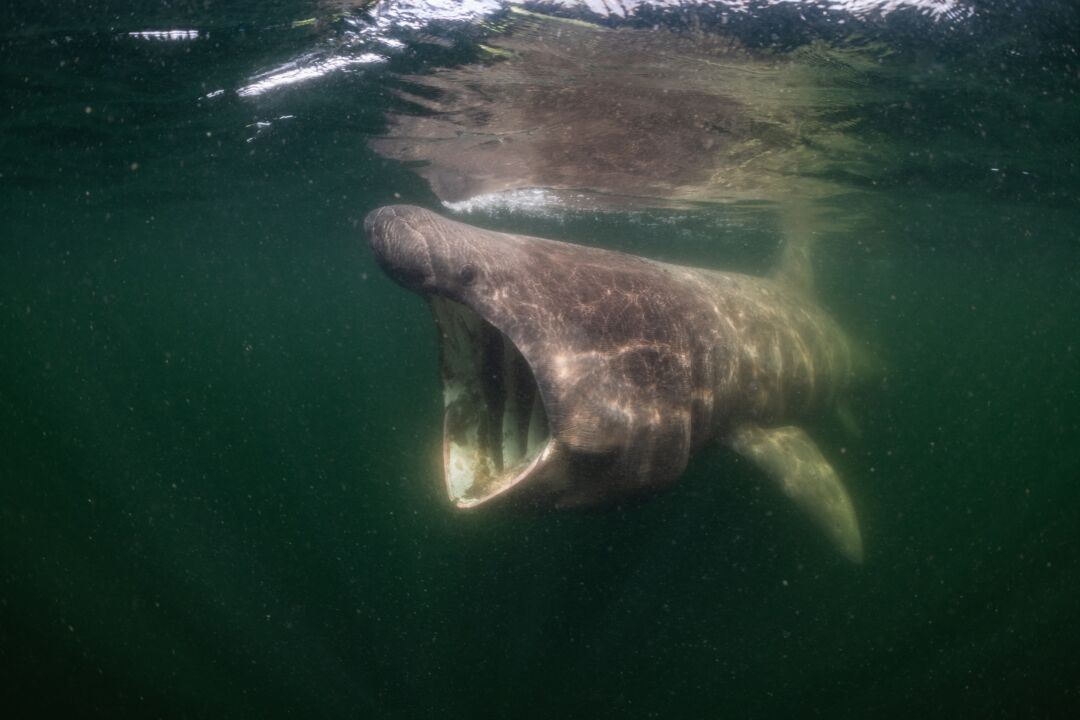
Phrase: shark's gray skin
(574,376)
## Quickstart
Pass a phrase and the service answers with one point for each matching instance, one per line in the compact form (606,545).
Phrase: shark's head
(565,369)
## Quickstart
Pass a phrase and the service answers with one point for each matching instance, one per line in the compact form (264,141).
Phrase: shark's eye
(468,275)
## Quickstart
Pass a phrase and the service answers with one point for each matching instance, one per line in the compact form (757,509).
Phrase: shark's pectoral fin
(789,456)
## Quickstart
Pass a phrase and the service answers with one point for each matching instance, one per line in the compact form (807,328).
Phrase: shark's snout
(400,248)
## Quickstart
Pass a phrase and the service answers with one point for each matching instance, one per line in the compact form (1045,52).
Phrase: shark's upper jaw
(495,427)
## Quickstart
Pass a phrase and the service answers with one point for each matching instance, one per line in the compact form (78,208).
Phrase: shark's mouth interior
(495,428)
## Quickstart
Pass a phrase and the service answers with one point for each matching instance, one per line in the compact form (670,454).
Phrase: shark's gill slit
(495,428)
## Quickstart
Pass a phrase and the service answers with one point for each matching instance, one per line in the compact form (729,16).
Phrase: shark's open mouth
(495,428)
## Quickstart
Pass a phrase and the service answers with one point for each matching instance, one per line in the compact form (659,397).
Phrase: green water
(219,483)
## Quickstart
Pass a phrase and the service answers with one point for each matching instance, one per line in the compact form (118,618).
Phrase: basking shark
(574,376)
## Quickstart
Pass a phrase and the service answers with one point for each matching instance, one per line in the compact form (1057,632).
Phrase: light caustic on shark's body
(575,376)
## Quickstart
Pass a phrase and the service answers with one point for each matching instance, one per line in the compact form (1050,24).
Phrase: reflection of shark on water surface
(575,376)
(627,116)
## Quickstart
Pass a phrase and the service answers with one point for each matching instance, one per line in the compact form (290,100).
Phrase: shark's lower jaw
(495,428)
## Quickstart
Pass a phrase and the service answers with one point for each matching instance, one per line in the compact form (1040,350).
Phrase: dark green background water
(219,422)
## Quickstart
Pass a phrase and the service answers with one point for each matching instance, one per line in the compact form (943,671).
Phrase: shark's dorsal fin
(795,268)
(790,457)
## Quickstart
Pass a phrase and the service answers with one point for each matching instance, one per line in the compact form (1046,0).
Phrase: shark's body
(576,376)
